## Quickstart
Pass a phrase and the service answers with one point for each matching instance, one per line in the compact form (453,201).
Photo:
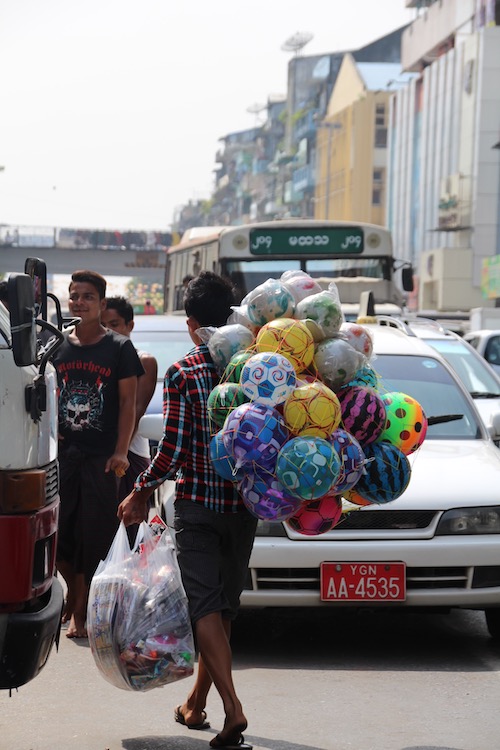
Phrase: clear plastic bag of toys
(138,622)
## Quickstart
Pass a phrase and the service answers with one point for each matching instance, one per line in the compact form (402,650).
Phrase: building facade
(444,169)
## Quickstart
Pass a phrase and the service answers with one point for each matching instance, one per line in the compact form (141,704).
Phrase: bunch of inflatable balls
(298,420)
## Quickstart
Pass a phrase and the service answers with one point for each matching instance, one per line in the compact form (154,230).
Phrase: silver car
(487,343)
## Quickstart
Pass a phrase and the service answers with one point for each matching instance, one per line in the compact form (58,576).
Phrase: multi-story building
(270,171)
(444,165)
(351,175)
(311,81)
(244,184)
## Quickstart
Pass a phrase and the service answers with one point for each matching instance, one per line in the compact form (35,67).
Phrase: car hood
(450,474)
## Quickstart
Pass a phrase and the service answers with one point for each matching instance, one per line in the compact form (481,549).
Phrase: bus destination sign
(327,241)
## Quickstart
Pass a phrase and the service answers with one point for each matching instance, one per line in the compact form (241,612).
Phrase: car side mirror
(407,278)
(36,269)
(494,426)
(22,319)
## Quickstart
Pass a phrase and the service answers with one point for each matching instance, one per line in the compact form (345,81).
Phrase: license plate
(363,581)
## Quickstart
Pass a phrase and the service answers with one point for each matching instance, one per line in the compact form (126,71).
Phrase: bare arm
(145,385)
(127,390)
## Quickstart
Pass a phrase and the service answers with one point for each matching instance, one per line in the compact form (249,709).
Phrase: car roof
(390,340)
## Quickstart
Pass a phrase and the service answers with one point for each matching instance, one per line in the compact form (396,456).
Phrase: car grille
(385,520)
(307,579)
(51,482)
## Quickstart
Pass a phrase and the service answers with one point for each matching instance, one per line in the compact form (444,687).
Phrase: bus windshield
(247,274)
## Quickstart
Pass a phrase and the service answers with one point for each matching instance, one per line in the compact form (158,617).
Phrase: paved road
(330,680)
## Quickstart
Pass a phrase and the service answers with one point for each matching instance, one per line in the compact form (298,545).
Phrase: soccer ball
(324,308)
(268,377)
(300,284)
(365,376)
(307,467)
(406,422)
(337,362)
(288,337)
(358,337)
(222,399)
(226,341)
(269,301)
(317,516)
(312,409)
(232,373)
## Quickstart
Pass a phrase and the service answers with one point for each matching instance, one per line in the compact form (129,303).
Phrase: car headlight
(266,528)
(470,521)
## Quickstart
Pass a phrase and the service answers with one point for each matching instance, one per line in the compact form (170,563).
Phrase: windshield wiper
(444,418)
(484,394)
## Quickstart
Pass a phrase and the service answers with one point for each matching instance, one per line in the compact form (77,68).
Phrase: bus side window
(179,298)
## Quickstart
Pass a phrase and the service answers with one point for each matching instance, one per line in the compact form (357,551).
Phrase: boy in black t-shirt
(97,372)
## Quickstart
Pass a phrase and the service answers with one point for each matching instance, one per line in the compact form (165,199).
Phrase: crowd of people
(107,476)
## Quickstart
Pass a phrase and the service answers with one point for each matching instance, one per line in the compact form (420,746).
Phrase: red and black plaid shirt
(183,453)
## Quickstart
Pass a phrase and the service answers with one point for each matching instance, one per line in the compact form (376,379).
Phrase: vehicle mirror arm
(62,322)
(52,345)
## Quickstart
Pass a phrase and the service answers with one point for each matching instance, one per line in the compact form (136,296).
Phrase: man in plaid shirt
(214,531)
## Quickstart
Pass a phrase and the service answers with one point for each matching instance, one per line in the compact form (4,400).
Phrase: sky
(111,110)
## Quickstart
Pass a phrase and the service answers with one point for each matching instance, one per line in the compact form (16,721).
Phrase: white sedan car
(437,546)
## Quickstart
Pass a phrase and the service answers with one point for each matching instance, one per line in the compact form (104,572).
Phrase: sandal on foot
(179,717)
(238,744)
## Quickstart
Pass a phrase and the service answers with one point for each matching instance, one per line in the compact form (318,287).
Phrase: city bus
(358,257)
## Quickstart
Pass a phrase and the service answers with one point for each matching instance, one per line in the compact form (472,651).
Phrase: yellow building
(352,144)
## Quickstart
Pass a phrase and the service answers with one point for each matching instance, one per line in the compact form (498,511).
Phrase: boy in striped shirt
(214,531)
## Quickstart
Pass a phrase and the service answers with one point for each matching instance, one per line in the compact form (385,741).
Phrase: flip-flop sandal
(179,717)
(240,743)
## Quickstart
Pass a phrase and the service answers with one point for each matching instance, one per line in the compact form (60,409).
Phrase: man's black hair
(90,277)
(208,299)
(122,307)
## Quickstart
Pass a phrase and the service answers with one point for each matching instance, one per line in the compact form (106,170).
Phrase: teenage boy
(119,317)
(214,531)
(97,374)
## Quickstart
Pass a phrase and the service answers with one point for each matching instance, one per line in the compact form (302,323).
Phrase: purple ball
(254,433)
(352,460)
(363,413)
(265,497)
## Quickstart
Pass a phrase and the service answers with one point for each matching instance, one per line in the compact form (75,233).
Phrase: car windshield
(427,381)
(469,367)
(166,346)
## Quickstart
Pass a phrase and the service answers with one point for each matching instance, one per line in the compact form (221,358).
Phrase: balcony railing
(303,179)
(306,126)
